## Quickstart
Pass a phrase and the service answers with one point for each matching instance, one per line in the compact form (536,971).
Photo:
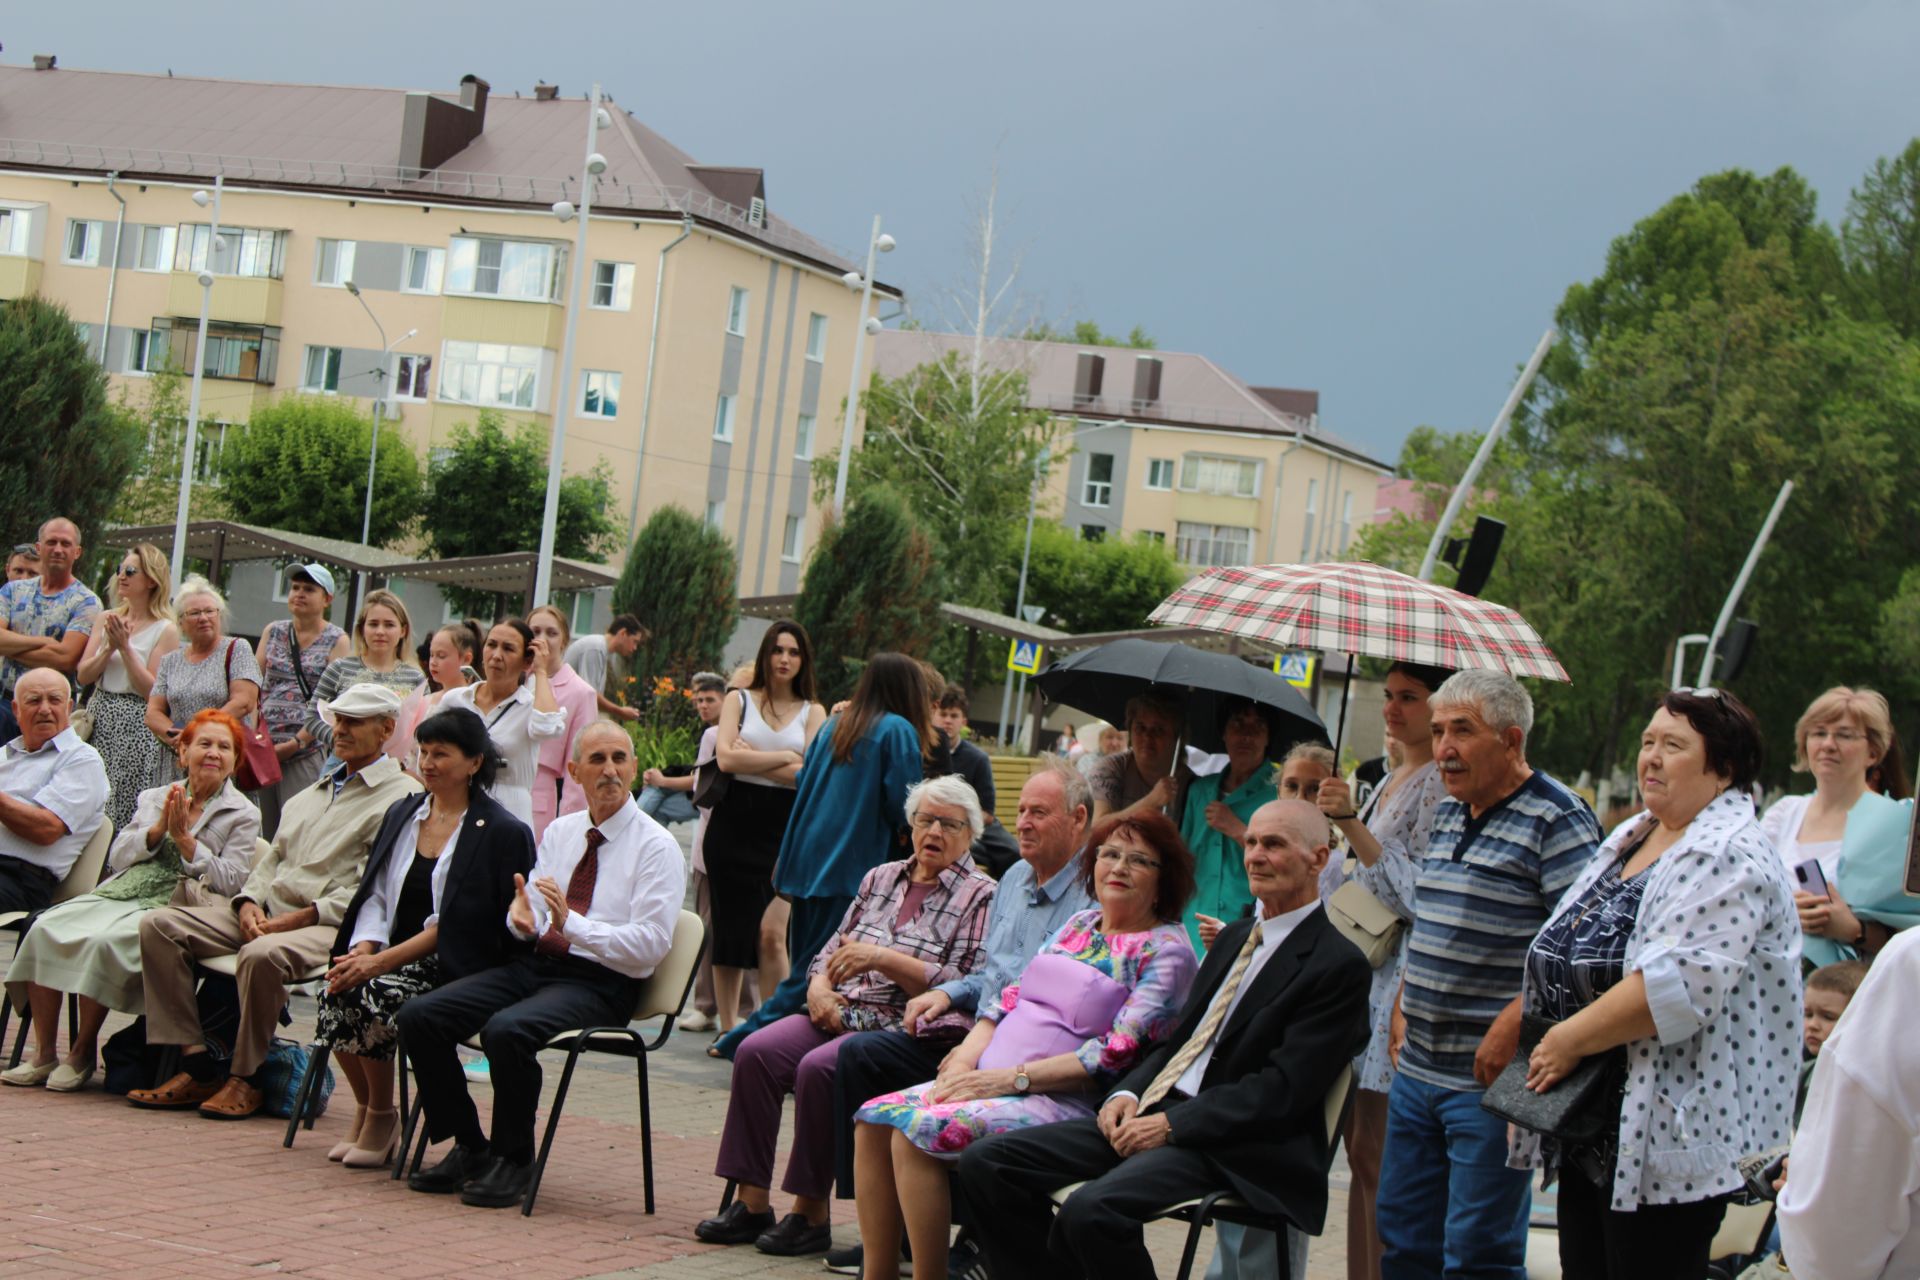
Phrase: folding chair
(1201,1212)
(82,877)
(662,995)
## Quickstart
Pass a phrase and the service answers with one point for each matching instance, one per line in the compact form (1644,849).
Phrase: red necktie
(579,894)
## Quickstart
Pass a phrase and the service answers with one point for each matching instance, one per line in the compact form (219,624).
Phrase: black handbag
(1581,1110)
(710,781)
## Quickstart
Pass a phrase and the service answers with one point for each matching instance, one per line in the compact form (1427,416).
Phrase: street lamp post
(205,201)
(876,243)
(592,167)
(379,402)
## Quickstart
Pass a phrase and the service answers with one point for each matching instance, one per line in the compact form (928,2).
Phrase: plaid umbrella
(1363,609)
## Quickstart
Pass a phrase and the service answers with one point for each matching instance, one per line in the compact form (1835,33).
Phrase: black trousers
(872,1063)
(1006,1179)
(516,1008)
(26,887)
(1654,1242)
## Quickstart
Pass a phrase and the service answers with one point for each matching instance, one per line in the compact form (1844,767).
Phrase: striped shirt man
(1486,887)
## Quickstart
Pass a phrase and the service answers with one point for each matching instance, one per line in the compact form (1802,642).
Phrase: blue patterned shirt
(1485,888)
(28,611)
(1024,916)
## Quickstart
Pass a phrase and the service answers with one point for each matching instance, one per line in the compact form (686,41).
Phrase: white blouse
(375,921)
(1718,942)
(517,729)
(113,677)
(1781,826)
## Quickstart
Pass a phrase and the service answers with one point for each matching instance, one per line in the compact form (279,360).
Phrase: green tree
(1880,241)
(679,580)
(1107,585)
(69,448)
(487,494)
(1086,333)
(300,463)
(152,495)
(870,586)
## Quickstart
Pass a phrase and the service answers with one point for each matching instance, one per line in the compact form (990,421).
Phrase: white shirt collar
(1277,929)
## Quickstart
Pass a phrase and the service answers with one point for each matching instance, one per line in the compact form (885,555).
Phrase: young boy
(667,796)
(1828,991)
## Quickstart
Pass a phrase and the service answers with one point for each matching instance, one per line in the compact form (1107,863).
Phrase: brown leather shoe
(178,1094)
(236,1100)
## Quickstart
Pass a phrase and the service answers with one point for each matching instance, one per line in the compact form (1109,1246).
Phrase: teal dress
(1219,866)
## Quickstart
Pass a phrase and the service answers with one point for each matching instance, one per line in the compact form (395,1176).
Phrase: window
(1160,473)
(523,269)
(599,394)
(143,353)
(1311,518)
(323,370)
(716,513)
(208,441)
(1098,490)
(1155,535)
(412,377)
(243,251)
(280,584)
(1346,520)
(425,267)
(1212,544)
(1093,533)
(613,286)
(790,541)
(723,417)
(83,242)
(1229,477)
(803,436)
(333,262)
(16,226)
(83,331)
(490,373)
(816,337)
(241,352)
(737,311)
(155,249)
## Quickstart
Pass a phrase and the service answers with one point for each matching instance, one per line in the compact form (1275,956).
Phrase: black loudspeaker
(1474,556)
(1735,647)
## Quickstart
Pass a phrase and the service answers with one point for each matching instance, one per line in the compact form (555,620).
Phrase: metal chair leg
(1202,1217)
(317,1065)
(726,1195)
(646,1129)
(20,1039)
(73,1018)
(306,1099)
(553,1123)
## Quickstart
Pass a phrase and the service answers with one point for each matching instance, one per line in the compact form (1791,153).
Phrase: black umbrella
(1101,680)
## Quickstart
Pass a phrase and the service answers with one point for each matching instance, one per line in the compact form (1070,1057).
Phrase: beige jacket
(321,847)
(223,837)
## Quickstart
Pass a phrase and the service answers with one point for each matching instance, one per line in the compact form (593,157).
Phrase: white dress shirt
(637,891)
(375,921)
(517,730)
(1851,1207)
(66,778)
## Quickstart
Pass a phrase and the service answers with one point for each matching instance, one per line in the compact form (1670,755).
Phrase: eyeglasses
(129,570)
(201,613)
(25,549)
(1841,736)
(927,822)
(1707,691)
(1128,858)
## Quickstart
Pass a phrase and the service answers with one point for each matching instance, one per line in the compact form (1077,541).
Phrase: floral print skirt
(945,1129)
(360,1021)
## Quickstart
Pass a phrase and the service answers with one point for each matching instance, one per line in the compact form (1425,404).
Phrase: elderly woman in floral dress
(1107,985)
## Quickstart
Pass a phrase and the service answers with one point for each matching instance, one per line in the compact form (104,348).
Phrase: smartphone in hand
(1809,878)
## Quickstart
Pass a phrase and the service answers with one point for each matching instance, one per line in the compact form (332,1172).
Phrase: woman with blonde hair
(120,660)
(208,670)
(381,655)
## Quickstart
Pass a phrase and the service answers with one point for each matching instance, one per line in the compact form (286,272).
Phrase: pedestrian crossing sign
(1024,656)
(1296,669)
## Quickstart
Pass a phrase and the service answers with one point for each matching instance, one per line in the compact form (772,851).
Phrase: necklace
(775,718)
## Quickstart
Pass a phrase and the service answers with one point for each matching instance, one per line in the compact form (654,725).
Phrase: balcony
(519,324)
(237,299)
(19,277)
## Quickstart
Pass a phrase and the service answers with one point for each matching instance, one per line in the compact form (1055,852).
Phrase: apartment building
(1171,445)
(713,336)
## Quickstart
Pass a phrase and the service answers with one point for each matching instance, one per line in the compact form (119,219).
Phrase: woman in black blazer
(432,907)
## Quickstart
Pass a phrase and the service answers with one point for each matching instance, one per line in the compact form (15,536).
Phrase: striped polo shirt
(1485,888)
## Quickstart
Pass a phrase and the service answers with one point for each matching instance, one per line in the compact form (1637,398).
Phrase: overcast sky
(1381,201)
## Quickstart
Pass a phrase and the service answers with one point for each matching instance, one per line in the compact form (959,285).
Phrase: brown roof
(1194,391)
(339,137)
(1301,404)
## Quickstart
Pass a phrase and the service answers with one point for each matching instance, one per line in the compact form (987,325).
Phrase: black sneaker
(966,1262)
(735,1224)
(793,1237)
(847,1261)
(457,1168)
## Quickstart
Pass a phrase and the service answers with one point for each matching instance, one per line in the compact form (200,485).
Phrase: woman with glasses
(914,924)
(122,655)
(1098,995)
(209,670)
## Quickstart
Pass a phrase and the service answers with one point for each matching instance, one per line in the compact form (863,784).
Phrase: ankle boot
(352,1139)
(377,1140)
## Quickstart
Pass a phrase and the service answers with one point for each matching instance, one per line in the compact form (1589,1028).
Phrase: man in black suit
(1233,1099)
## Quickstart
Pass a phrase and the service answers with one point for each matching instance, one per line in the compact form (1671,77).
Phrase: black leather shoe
(793,1237)
(458,1167)
(504,1183)
(735,1224)
(849,1260)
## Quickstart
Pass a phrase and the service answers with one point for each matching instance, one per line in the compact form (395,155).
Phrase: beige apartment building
(1171,445)
(713,337)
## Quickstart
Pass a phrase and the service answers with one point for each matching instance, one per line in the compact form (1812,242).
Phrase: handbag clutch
(1582,1109)
(1364,920)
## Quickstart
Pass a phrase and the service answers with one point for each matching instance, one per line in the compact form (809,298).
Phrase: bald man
(44,621)
(599,913)
(1232,1100)
(53,793)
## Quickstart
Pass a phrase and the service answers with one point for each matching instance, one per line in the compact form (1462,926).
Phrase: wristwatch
(1020,1082)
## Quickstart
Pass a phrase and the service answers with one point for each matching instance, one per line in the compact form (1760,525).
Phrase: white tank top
(761,736)
(114,678)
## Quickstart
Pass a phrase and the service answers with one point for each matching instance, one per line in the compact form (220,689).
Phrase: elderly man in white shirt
(600,912)
(53,793)
(1851,1206)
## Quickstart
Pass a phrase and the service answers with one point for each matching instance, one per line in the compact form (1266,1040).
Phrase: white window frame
(247,251)
(1346,520)
(816,337)
(320,388)
(489,362)
(804,428)
(1201,545)
(1163,469)
(94,240)
(716,512)
(208,442)
(610,384)
(343,255)
(436,269)
(618,282)
(1097,493)
(164,239)
(725,411)
(139,353)
(792,540)
(281,585)
(1312,518)
(737,300)
(514,259)
(1194,478)
(16,231)
(421,380)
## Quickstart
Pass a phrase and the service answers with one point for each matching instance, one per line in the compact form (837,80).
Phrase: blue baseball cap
(317,574)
